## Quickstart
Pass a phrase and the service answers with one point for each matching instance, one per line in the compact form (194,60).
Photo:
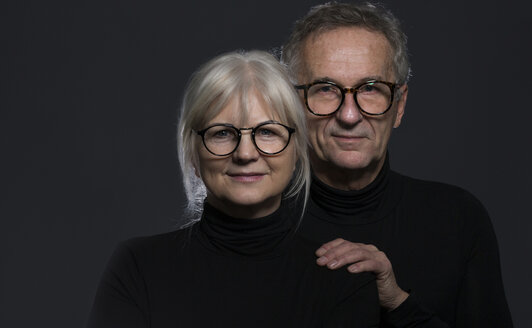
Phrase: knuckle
(332,243)
(326,246)
(382,256)
(372,247)
(331,253)
(338,241)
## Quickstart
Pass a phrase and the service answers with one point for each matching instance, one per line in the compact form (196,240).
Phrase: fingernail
(332,264)
(353,269)
(322,260)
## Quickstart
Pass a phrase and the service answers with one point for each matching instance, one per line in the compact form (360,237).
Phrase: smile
(246,177)
(347,138)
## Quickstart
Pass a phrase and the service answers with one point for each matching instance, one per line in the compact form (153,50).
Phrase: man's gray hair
(333,15)
(237,75)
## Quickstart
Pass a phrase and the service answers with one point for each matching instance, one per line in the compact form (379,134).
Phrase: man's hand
(364,257)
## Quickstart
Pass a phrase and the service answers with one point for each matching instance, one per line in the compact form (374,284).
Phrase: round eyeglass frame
(345,90)
(239,133)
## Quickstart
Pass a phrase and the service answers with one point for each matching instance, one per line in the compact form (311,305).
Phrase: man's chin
(340,159)
(352,162)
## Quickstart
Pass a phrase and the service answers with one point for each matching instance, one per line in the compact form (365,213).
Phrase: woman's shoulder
(156,240)
(156,246)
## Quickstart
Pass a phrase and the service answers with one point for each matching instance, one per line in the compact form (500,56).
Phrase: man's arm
(403,309)
(481,301)
(364,258)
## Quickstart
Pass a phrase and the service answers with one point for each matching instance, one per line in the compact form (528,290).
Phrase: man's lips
(347,137)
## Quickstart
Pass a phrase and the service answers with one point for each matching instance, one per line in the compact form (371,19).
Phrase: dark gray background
(89,93)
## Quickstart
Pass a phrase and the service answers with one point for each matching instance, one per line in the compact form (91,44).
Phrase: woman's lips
(246,177)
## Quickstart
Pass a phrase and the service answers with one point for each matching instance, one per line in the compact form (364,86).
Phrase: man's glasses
(269,138)
(325,98)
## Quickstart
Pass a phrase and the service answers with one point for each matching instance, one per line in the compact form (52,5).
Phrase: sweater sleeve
(121,298)
(481,300)
(411,313)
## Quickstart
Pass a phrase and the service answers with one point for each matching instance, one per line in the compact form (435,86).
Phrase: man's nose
(246,150)
(349,114)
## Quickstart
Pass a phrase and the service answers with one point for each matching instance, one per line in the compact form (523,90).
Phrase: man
(351,68)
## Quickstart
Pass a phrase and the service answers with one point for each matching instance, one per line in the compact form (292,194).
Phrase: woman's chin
(247,206)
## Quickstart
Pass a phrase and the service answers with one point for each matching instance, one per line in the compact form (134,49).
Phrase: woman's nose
(246,150)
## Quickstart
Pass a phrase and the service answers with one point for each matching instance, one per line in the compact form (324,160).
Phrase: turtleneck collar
(360,204)
(257,238)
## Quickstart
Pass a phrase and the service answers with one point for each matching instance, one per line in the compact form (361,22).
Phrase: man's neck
(346,179)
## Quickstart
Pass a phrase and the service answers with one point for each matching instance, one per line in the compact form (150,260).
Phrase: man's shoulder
(433,190)
(442,206)
(441,199)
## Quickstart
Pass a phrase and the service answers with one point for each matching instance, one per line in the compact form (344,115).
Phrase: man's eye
(374,88)
(368,88)
(327,89)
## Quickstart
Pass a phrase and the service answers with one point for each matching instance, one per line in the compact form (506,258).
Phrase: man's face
(348,140)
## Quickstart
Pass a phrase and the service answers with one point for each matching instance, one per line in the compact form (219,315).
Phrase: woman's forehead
(245,109)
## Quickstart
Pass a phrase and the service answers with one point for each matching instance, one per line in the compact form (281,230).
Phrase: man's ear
(401,104)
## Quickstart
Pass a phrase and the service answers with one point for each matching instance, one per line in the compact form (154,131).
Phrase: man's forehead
(344,50)
(353,31)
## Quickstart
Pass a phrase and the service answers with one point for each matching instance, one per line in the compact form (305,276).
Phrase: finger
(355,255)
(378,263)
(364,266)
(325,247)
(343,249)
(334,252)
(345,254)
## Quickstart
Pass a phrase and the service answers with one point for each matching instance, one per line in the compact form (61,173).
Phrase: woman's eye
(223,134)
(266,132)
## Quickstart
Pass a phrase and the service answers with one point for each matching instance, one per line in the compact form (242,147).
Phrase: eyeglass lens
(269,138)
(372,97)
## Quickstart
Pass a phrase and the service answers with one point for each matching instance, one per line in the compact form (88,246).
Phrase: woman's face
(246,183)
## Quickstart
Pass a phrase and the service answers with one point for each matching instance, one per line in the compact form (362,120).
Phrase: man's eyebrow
(361,80)
(324,78)
(373,77)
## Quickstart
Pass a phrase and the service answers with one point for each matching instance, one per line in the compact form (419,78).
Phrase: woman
(242,150)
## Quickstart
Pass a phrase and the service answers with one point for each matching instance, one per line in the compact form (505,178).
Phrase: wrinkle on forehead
(342,48)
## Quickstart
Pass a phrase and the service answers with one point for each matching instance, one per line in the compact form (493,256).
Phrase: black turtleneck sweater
(228,272)
(438,238)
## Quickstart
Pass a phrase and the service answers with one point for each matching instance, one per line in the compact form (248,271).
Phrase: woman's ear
(197,171)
